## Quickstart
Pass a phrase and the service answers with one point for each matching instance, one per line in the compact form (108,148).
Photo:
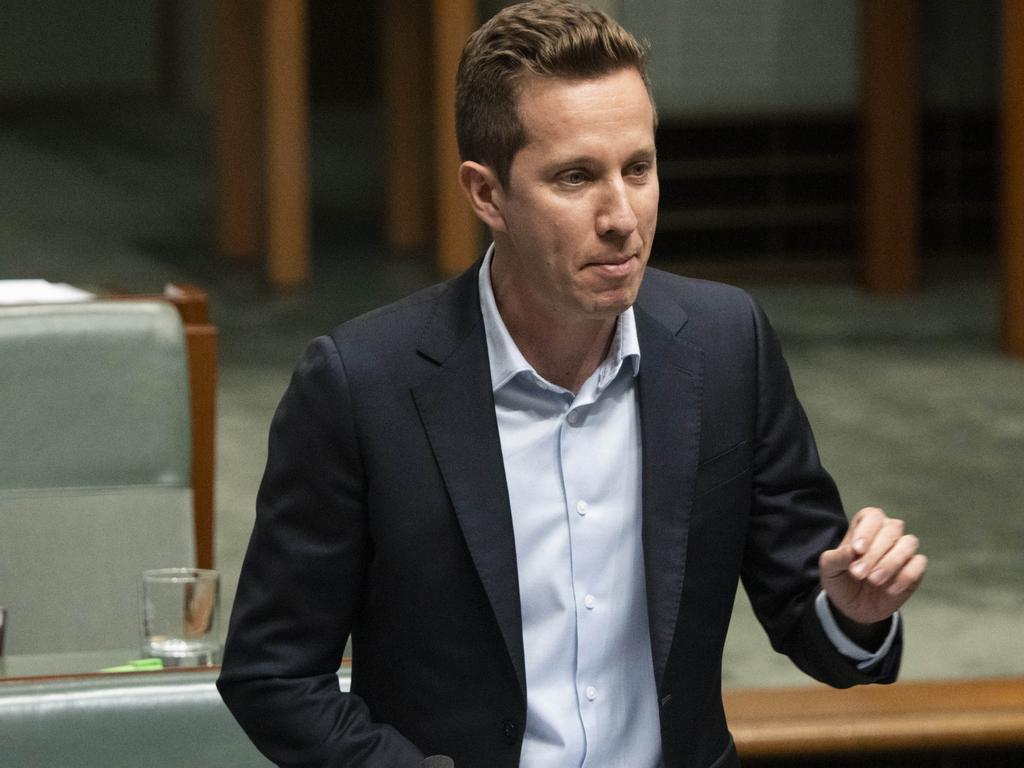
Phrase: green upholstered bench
(159,720)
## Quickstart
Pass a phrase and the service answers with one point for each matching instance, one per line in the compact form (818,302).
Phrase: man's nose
(616,216)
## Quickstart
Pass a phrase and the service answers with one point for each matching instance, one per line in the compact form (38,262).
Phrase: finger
(877,546)
(851,529)
(893,561)
(863,528)
(909,578)
(834,562)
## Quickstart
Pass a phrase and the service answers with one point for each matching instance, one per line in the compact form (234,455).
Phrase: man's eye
(574,178)
(640,170)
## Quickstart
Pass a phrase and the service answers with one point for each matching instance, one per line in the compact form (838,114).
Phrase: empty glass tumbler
(180,616)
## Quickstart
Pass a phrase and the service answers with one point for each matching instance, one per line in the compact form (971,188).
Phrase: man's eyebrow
(572,161)
(647,153)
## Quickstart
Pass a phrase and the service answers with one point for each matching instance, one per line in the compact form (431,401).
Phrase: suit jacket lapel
(670,381)
(457,409)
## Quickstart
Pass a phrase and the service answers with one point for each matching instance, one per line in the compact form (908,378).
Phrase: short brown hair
(540,38)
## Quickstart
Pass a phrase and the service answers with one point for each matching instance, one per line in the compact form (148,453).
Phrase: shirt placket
(583,510)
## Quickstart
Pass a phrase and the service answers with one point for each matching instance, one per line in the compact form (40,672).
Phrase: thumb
(835,562)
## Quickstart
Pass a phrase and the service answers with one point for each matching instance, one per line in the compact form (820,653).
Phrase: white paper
(40,292)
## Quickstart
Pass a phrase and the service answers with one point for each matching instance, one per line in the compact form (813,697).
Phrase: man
(529,493)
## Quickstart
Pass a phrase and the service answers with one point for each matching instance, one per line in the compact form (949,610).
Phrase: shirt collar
(507,361)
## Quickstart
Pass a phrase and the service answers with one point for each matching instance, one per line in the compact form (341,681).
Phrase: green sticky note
(139,665)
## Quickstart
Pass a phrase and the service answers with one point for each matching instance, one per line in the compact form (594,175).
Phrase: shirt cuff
(865,659)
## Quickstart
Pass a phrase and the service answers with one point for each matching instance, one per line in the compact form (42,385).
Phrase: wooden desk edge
(905,716)
(97,675)
(344,670)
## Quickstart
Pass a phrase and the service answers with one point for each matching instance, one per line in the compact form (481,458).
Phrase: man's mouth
(614,266)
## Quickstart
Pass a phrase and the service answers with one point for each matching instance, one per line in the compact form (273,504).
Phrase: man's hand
(874,570)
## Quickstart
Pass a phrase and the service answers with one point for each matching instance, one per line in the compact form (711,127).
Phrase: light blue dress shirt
(572,463)
(573,467)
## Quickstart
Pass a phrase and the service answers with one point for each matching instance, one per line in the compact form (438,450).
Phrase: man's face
(580,208)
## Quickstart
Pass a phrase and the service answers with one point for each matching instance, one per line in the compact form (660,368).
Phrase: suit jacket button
(511,732)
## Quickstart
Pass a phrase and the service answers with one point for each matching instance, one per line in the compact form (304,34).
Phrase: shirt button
(590,602)
(581,507)
(591,693)
(574,418)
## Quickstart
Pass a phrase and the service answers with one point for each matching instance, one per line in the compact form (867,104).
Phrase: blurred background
(844,160)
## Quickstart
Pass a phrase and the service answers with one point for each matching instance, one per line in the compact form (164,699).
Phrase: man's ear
(485,193)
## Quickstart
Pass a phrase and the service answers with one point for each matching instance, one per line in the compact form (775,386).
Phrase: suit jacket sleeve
(300,586)
(796,514)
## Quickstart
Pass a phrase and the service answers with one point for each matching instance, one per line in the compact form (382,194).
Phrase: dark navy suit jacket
(384,513)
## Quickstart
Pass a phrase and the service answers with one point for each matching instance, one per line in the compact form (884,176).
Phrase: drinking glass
(180,610)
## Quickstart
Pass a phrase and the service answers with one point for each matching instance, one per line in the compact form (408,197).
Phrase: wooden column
(1012,193)
(458,229)
(406,90)
(891,145)
(286,143)
(237,132)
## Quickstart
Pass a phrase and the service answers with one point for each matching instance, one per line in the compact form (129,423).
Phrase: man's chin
(614,299)
(613,303)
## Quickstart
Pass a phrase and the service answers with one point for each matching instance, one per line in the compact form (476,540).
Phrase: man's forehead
(547,104)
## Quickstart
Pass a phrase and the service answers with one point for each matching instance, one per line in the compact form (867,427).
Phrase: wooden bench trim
(201,337)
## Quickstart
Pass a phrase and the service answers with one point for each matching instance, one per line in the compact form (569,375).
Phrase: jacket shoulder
(694,294)
(702,308)
(411,335)
(391,323)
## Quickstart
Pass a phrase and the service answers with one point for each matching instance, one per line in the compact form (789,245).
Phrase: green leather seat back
(94,468)
(93,395)
(122,721)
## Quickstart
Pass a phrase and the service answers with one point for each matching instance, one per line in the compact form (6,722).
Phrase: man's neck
(564,353)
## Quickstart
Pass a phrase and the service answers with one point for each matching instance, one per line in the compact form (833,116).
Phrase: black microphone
(438,761)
